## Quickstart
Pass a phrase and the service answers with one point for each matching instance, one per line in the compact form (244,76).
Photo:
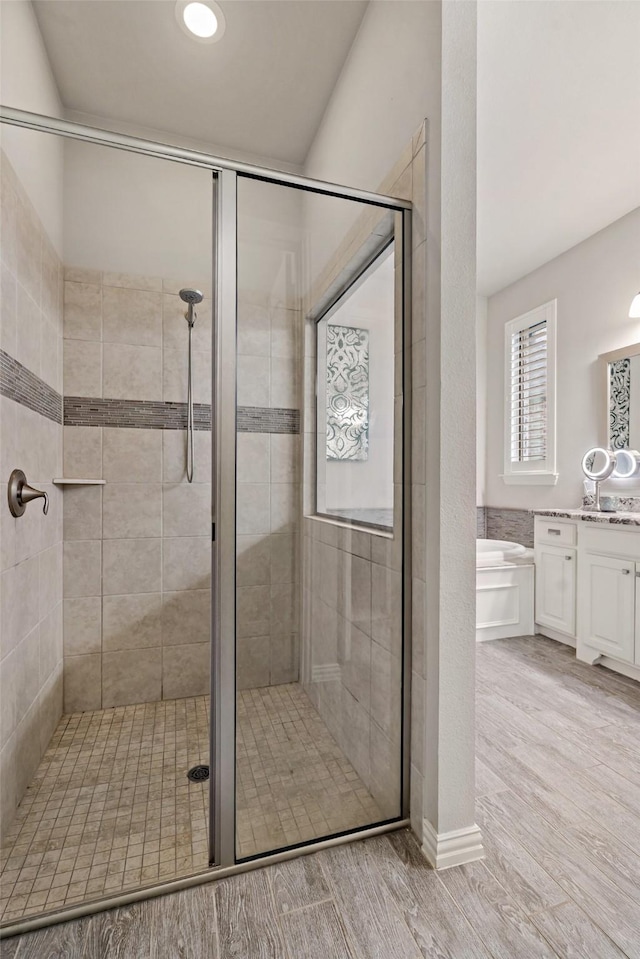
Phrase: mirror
(598,464)
(621,370)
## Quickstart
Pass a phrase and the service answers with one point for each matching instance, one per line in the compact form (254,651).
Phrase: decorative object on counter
(607,504)
(598,464)
(624,504)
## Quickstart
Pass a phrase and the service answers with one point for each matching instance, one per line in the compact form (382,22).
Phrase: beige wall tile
(175,366)
(83,452)
(357,665)
(28,745)
(285,500)
(50,345)
(284,608)
(285,452)
(8,784)
(186,509)
(133,281)
(253,563)
(253,452)
(174,325)
(386,689)
(28,332)
(50,706)
(132,456)
(185,671)
(131,622)
(51,650)
(285,383)
(254,330)
(82,625)
(82,311)
(27,672)
(50,579)
(82,512)
(186,563)
(186,617)
(252,611)
(384,783)
(82,368)
(386,609)
(285,332)
(174,456)
(253,512)
(8,693)
(131,566)
(79,274)
(284,658)
(253,379)
(131,676)
(132,510)
(82,569)
(29,250)
(253,658)
(132,372)
(284,562)
(8,304)
(131,316)
(356,735)
(82,683)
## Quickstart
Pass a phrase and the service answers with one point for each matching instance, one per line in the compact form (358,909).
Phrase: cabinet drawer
(548,530)
(610,540)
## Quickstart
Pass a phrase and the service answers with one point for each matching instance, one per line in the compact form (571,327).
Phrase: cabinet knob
(568,557)
(625,572)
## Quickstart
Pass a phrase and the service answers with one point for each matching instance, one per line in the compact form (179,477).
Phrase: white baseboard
(556,634)
(453,848)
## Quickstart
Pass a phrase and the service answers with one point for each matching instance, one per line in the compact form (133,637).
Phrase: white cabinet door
(637,614)
(608,601)
(556,588)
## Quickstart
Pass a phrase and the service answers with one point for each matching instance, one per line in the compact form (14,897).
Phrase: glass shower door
(319,588)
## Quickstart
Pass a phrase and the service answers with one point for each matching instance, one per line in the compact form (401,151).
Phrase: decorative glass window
(530,381)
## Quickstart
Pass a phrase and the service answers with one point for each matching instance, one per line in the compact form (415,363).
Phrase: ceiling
(558,99)
(262,90)
(558,129)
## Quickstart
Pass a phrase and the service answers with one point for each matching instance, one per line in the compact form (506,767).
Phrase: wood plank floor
(559,806)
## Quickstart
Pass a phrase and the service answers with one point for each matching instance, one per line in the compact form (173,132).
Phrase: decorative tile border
(160,415)
(20,384)
(481,522)
(513,525)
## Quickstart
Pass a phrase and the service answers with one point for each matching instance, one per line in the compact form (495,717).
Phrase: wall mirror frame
(619,379)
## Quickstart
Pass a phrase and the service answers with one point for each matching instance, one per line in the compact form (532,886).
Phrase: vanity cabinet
(555,560)
(608,593)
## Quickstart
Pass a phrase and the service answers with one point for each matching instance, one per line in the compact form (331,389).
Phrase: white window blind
(529,394)
(530,397)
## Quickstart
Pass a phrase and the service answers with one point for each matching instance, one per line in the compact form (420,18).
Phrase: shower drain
(198,774)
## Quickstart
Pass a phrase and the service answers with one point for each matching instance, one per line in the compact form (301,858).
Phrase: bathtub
(504,590)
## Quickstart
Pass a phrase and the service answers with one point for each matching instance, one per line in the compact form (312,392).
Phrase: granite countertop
(619,518)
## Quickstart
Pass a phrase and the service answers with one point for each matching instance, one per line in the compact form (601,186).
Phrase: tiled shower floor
(110,807)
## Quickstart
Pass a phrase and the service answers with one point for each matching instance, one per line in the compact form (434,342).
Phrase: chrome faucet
(19,494)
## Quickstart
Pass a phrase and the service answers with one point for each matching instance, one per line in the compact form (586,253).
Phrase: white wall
(26,83)
(389,84)
(594,284)
(481,393)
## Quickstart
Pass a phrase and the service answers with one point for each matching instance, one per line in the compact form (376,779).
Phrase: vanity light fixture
(203,22)
(634,310)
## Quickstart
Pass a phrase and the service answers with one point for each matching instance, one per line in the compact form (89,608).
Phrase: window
(530,393)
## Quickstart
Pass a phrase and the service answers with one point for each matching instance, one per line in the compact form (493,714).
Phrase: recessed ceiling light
(203,22)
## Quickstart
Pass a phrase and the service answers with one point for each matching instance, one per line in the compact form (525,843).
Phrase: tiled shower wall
(268,475)
(31,440)
(136,550)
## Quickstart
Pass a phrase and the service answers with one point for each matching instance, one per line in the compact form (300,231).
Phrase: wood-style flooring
(559,807)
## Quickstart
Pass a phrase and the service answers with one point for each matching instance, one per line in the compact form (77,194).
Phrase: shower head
(191,297)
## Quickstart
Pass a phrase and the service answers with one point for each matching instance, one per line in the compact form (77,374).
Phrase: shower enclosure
(235,536)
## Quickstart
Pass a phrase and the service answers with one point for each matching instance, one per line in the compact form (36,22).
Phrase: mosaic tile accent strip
(110,807)
(347,393)
(160,415)
(513,525)
(262,419)
(481,522)
(20,384)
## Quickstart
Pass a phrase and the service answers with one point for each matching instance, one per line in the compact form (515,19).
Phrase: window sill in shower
(350,522)
(63,481)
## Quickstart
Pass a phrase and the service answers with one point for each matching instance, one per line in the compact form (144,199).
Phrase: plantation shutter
(528,394)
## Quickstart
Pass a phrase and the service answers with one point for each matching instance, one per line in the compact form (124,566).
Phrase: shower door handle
(19,494)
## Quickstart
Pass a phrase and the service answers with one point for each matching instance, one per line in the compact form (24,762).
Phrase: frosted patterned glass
(347,393)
